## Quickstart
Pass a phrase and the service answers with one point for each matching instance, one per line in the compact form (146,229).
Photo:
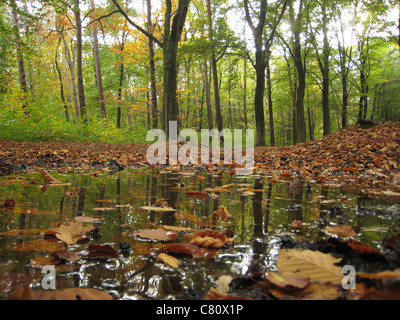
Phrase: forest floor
(359,159)
(362,161)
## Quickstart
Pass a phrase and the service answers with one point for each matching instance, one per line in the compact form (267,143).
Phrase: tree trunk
(99,79)
(71,66)
(208,96)
(245,93)
(325,77)
(120,86)
(20,56)
(301,74)
(153,87)
(214,69)
(270,108)
(61,83)
(79,69)
(172,37)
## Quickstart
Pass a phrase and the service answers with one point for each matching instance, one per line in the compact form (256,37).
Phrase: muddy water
(260,213)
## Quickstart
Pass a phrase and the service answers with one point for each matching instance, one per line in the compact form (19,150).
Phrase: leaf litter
(356,160)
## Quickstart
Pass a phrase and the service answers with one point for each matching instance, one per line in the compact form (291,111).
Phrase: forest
(85,212)
(111,70)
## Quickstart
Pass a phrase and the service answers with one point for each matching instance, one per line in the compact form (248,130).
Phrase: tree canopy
(111,70)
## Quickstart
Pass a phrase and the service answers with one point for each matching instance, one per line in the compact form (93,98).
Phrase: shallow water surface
(260,212)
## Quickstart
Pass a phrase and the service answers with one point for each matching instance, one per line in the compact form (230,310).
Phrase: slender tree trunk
(61,83)
(99,78)
(121,84)
(79,63)
(208,96)
(270,108)
(325,77)
(153,87)
(20,56)
(71,66)
(245,93)
(214,69)
(301,74)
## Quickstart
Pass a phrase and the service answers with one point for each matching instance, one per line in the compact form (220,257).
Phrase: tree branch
(102,17)
(147,34)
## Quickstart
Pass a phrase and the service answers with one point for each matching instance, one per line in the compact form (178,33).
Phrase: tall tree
(217,99)
(153,87)
(262,44)
(323,62)
(18,44)
(296,21)
(79,62)
(99,77)
(174,23)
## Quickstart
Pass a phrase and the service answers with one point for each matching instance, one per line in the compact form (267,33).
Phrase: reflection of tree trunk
(81,198)
(171,196)
(295,192)
(267,208)
(257,210)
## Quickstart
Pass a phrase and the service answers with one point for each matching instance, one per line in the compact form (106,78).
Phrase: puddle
(259,213)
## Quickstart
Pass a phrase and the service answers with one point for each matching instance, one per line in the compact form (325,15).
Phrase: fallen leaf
(298,224)
(168,260)
(341,231)
(73,233)
(26,293)
(102,251)
(381,275)
(314,264)
(187,249)
(48,178)
(65,255)
(213,294)
(222,212)
(38,245)
(210,239)
(223,284)
(156,234)
(288,281)
(157,209)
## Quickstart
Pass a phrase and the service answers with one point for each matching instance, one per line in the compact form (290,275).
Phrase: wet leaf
(48,178)
(288,281)
(213,294)
(102,251)
(157,209)
(187,249)
(156,234)
(26,293)
(210,239)
(314,264)
(381,275)
(341,231)
(168,260)
(38,245)
(222,213)
(65,255)
(73,233)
